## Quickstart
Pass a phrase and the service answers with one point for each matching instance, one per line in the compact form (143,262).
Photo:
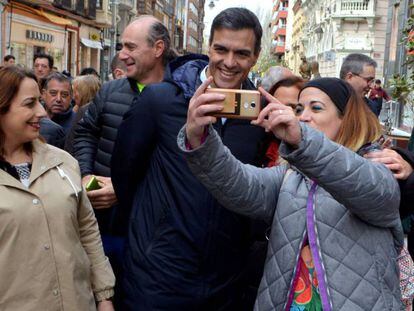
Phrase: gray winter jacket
(349,216)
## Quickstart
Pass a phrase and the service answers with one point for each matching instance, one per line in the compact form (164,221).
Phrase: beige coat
(51,255)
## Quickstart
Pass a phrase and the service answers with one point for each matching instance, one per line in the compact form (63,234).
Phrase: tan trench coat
(51,255)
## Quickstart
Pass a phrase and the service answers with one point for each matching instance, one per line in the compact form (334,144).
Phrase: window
(394,32)
(193,9)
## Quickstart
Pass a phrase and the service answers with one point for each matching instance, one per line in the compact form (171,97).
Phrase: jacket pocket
(159,226)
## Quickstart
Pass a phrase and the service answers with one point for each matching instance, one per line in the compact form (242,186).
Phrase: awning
(54,19)
(91,43)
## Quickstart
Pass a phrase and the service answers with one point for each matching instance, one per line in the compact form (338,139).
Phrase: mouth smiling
(228,74)
(35,125)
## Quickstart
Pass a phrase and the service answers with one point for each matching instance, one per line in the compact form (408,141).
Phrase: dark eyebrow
(219,46)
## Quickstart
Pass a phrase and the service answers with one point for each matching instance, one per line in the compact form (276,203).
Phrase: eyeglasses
(367,79)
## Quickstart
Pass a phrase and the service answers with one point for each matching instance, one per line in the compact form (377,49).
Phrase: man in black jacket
(184,251)
(145,51)
(401,163)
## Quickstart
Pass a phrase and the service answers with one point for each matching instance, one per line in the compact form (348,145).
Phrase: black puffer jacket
(96,132)
(95,136)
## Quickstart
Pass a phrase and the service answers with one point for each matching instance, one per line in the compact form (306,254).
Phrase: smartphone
(238,104)
(92,184)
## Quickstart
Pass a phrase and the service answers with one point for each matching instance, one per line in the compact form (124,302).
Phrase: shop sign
(40,36)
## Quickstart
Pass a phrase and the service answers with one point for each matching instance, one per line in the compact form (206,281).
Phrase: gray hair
(273,75)
(158,31)
(355,63)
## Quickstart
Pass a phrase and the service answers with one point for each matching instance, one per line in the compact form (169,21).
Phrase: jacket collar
(44,159)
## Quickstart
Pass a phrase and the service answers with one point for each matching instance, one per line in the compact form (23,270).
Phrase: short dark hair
(117,63)
(156,32)
(60,77)
(8,57)
(89,71)
(355,63)
(238,19)
(42,55)
(288,82)
(378,81)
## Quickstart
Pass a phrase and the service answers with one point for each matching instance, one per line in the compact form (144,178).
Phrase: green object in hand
(92,184)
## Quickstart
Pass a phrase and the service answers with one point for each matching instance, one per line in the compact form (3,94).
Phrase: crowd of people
(133,195)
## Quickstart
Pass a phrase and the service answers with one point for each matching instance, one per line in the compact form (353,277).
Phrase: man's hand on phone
(104,197)
(201,105)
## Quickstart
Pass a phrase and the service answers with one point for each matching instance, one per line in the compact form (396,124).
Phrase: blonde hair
(87,86)
(359,124)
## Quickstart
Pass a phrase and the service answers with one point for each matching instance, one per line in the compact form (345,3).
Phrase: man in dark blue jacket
(184,251)
(146,49)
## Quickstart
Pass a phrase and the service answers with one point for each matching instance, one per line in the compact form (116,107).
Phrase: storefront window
(18,50)
(57,57)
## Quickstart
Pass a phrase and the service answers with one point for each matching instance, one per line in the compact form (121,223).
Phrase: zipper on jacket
(314,246)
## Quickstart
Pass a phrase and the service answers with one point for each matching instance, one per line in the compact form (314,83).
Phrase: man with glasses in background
(359,71)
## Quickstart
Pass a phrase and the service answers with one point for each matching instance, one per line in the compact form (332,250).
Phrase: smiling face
(231,57)
(361,82)
(318,110)
(21,123)
(138,55)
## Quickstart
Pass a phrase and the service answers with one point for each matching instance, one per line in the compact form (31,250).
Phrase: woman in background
(84,90)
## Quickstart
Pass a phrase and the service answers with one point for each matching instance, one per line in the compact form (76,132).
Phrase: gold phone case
(239,104)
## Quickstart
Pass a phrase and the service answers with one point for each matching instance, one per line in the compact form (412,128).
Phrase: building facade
(336,28)
(65,29)
(395,53)
(278,24)
(295,49)
(183,18)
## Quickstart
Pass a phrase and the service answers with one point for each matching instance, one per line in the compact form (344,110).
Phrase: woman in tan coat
(51,255)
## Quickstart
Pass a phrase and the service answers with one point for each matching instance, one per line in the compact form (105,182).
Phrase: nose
(58,97)
(122,55)
(306,115)
(229,60)
(40,111)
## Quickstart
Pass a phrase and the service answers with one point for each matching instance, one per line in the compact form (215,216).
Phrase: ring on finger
(280,111)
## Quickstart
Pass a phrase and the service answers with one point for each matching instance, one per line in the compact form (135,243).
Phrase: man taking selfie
(184,251)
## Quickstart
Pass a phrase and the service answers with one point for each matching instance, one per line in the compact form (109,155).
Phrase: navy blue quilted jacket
(183,251)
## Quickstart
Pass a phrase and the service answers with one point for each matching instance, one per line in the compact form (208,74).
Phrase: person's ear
(159,48)
(348,76)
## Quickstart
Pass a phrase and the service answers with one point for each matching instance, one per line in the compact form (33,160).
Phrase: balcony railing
(355,8)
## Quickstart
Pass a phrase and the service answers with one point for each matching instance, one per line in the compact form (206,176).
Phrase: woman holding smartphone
(51,255)
(335,231)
